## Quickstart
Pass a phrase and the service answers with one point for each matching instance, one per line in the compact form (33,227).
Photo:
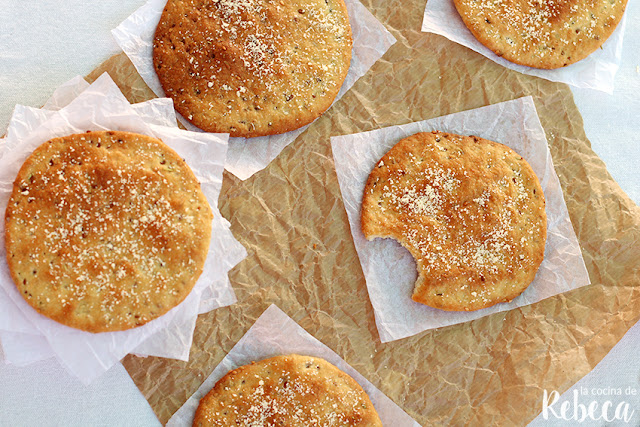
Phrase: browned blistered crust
(293,390)
(252,67)
(542,33)
(106,231)
(470,211)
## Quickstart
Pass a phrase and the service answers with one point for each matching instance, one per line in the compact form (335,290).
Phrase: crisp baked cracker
(470,211)
(293,390)
(252,67)
(106,231)
(541,33)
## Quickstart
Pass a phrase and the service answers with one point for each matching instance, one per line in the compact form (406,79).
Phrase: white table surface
(44,44)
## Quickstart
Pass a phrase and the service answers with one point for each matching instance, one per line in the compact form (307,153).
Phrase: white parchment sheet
(274,334)
(77,107)
(390,270)
(247,156)
(597,71)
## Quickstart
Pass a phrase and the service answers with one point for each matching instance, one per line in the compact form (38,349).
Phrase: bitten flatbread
(106,231)
(469,210)
(252,67)
(541,33)
(293,390)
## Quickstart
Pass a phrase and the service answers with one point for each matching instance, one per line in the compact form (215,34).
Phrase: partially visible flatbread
(544,34)
(469,210)
(293,390)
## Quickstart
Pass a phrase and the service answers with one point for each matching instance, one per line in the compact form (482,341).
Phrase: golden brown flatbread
(469,210)
(252,67)
(106,231)
(541,33)
(293,390)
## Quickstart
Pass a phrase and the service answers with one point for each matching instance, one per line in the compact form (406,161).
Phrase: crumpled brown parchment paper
(291,219)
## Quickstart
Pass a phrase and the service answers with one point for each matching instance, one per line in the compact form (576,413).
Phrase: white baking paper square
(597,71)
(390,270)
(247,156)
(102,106)
(274,334)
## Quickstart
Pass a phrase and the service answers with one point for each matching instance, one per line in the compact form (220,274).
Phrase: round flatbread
(293,390)
(541,33)
(470,211)
(106,231)
(252,67)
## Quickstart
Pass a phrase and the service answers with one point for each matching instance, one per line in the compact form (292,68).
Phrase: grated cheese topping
(109,237)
